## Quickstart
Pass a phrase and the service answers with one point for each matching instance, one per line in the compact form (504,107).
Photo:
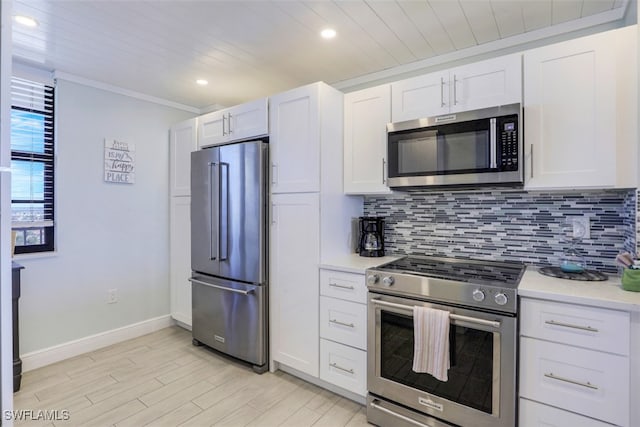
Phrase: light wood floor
(161,379)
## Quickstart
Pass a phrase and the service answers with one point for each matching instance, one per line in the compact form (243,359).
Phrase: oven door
(481,389)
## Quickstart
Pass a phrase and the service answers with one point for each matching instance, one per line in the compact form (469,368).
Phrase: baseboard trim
(47,356)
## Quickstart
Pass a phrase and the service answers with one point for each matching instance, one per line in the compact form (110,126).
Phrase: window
(32,166)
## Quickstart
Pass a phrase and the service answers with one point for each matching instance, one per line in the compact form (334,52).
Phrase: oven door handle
(492,323)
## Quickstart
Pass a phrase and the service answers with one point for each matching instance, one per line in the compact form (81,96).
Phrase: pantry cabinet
(310,218)
(489,83)
(236,123)
(295,157)
(180,258)
(182,142)
(575,357)
(580,112)
(366,114)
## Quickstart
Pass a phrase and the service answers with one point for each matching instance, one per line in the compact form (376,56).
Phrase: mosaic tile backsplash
(508,224)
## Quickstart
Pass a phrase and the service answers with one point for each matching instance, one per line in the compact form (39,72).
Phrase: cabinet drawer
(588,327)
(533,414)
(338,284)
(588,382)
(343,366)
(344,322)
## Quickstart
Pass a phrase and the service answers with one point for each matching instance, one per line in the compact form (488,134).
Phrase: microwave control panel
(508,142)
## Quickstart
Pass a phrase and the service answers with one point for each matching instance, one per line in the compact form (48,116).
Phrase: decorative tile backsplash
(508,224)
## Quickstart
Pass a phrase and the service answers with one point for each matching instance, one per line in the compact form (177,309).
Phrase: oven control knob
(372,279)
(387,281)
(500,299)
(478,295)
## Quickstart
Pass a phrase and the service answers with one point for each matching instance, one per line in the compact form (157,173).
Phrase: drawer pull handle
(335,365)
(567,380)
(568,325)
(336,285)
(337,322)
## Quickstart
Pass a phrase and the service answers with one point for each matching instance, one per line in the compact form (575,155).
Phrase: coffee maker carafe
(371,242)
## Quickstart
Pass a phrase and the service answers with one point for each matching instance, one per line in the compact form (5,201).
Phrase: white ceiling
(250,49)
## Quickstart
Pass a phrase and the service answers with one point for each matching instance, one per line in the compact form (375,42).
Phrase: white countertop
(355,263)
(605,294)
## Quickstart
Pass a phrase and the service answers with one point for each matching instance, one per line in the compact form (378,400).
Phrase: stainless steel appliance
(371,238)
(229,240)
(477,147)
(481,298)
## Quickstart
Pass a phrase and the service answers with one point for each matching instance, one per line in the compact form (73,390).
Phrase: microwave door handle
(493,154)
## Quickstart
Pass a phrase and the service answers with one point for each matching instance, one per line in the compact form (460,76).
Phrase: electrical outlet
(112,296)
(581,228)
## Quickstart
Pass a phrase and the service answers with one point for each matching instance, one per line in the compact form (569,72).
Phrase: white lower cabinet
(343,366)
(343,330)
(533,414)
(564,365)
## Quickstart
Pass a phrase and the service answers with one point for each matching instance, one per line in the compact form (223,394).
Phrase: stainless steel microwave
(480,147)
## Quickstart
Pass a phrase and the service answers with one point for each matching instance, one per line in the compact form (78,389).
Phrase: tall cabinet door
(295,132)
(294,281)
(183,140)
(366,114)
(570,114)
(180,256)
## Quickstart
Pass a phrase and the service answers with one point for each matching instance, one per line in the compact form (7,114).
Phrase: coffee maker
(371,240)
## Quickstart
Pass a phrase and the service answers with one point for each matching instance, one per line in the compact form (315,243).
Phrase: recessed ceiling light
(27,21)
(328,33)
(202,82)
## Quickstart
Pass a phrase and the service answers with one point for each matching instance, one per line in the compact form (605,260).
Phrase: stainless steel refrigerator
(229,241)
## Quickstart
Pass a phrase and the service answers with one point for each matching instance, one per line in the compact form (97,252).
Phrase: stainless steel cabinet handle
(569,325)
(570,381)
(273,213)
(493,323)
(441,92)
(335,365)
(337,322)
(395,414)
(336,285)
(274,173)
(224,132)
(229,122)
(455,93)
(223,288)
(531,160)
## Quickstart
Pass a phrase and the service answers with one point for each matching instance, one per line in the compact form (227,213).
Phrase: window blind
(32,165)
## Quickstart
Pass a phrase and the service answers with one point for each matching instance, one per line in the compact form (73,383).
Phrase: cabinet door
(295,141)
(570,114)
(212,129)
(248,120)
(486,84)
(419,97)
(183,140)
(180,258)
(294,288)
(533,414)
(366,114)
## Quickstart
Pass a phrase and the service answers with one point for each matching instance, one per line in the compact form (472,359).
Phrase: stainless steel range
(481,297)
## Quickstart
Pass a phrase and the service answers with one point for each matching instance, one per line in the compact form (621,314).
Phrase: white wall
(108,235)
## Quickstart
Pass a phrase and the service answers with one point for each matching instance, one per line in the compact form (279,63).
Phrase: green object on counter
(631,280)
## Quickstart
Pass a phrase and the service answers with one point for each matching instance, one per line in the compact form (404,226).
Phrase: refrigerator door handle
(223,220)
(213,197)
(223,288)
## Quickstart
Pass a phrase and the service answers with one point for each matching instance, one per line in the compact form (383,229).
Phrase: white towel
(431,342)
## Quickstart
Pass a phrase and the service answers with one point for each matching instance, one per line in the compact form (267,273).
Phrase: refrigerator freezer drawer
(230,317)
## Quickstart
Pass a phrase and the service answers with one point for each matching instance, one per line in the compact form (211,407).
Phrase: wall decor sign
(119,161)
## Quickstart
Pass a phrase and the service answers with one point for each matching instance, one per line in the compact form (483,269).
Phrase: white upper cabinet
(366,114)
(579,114)
(182,141)
(235,123)
(295,140)
(482,84)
